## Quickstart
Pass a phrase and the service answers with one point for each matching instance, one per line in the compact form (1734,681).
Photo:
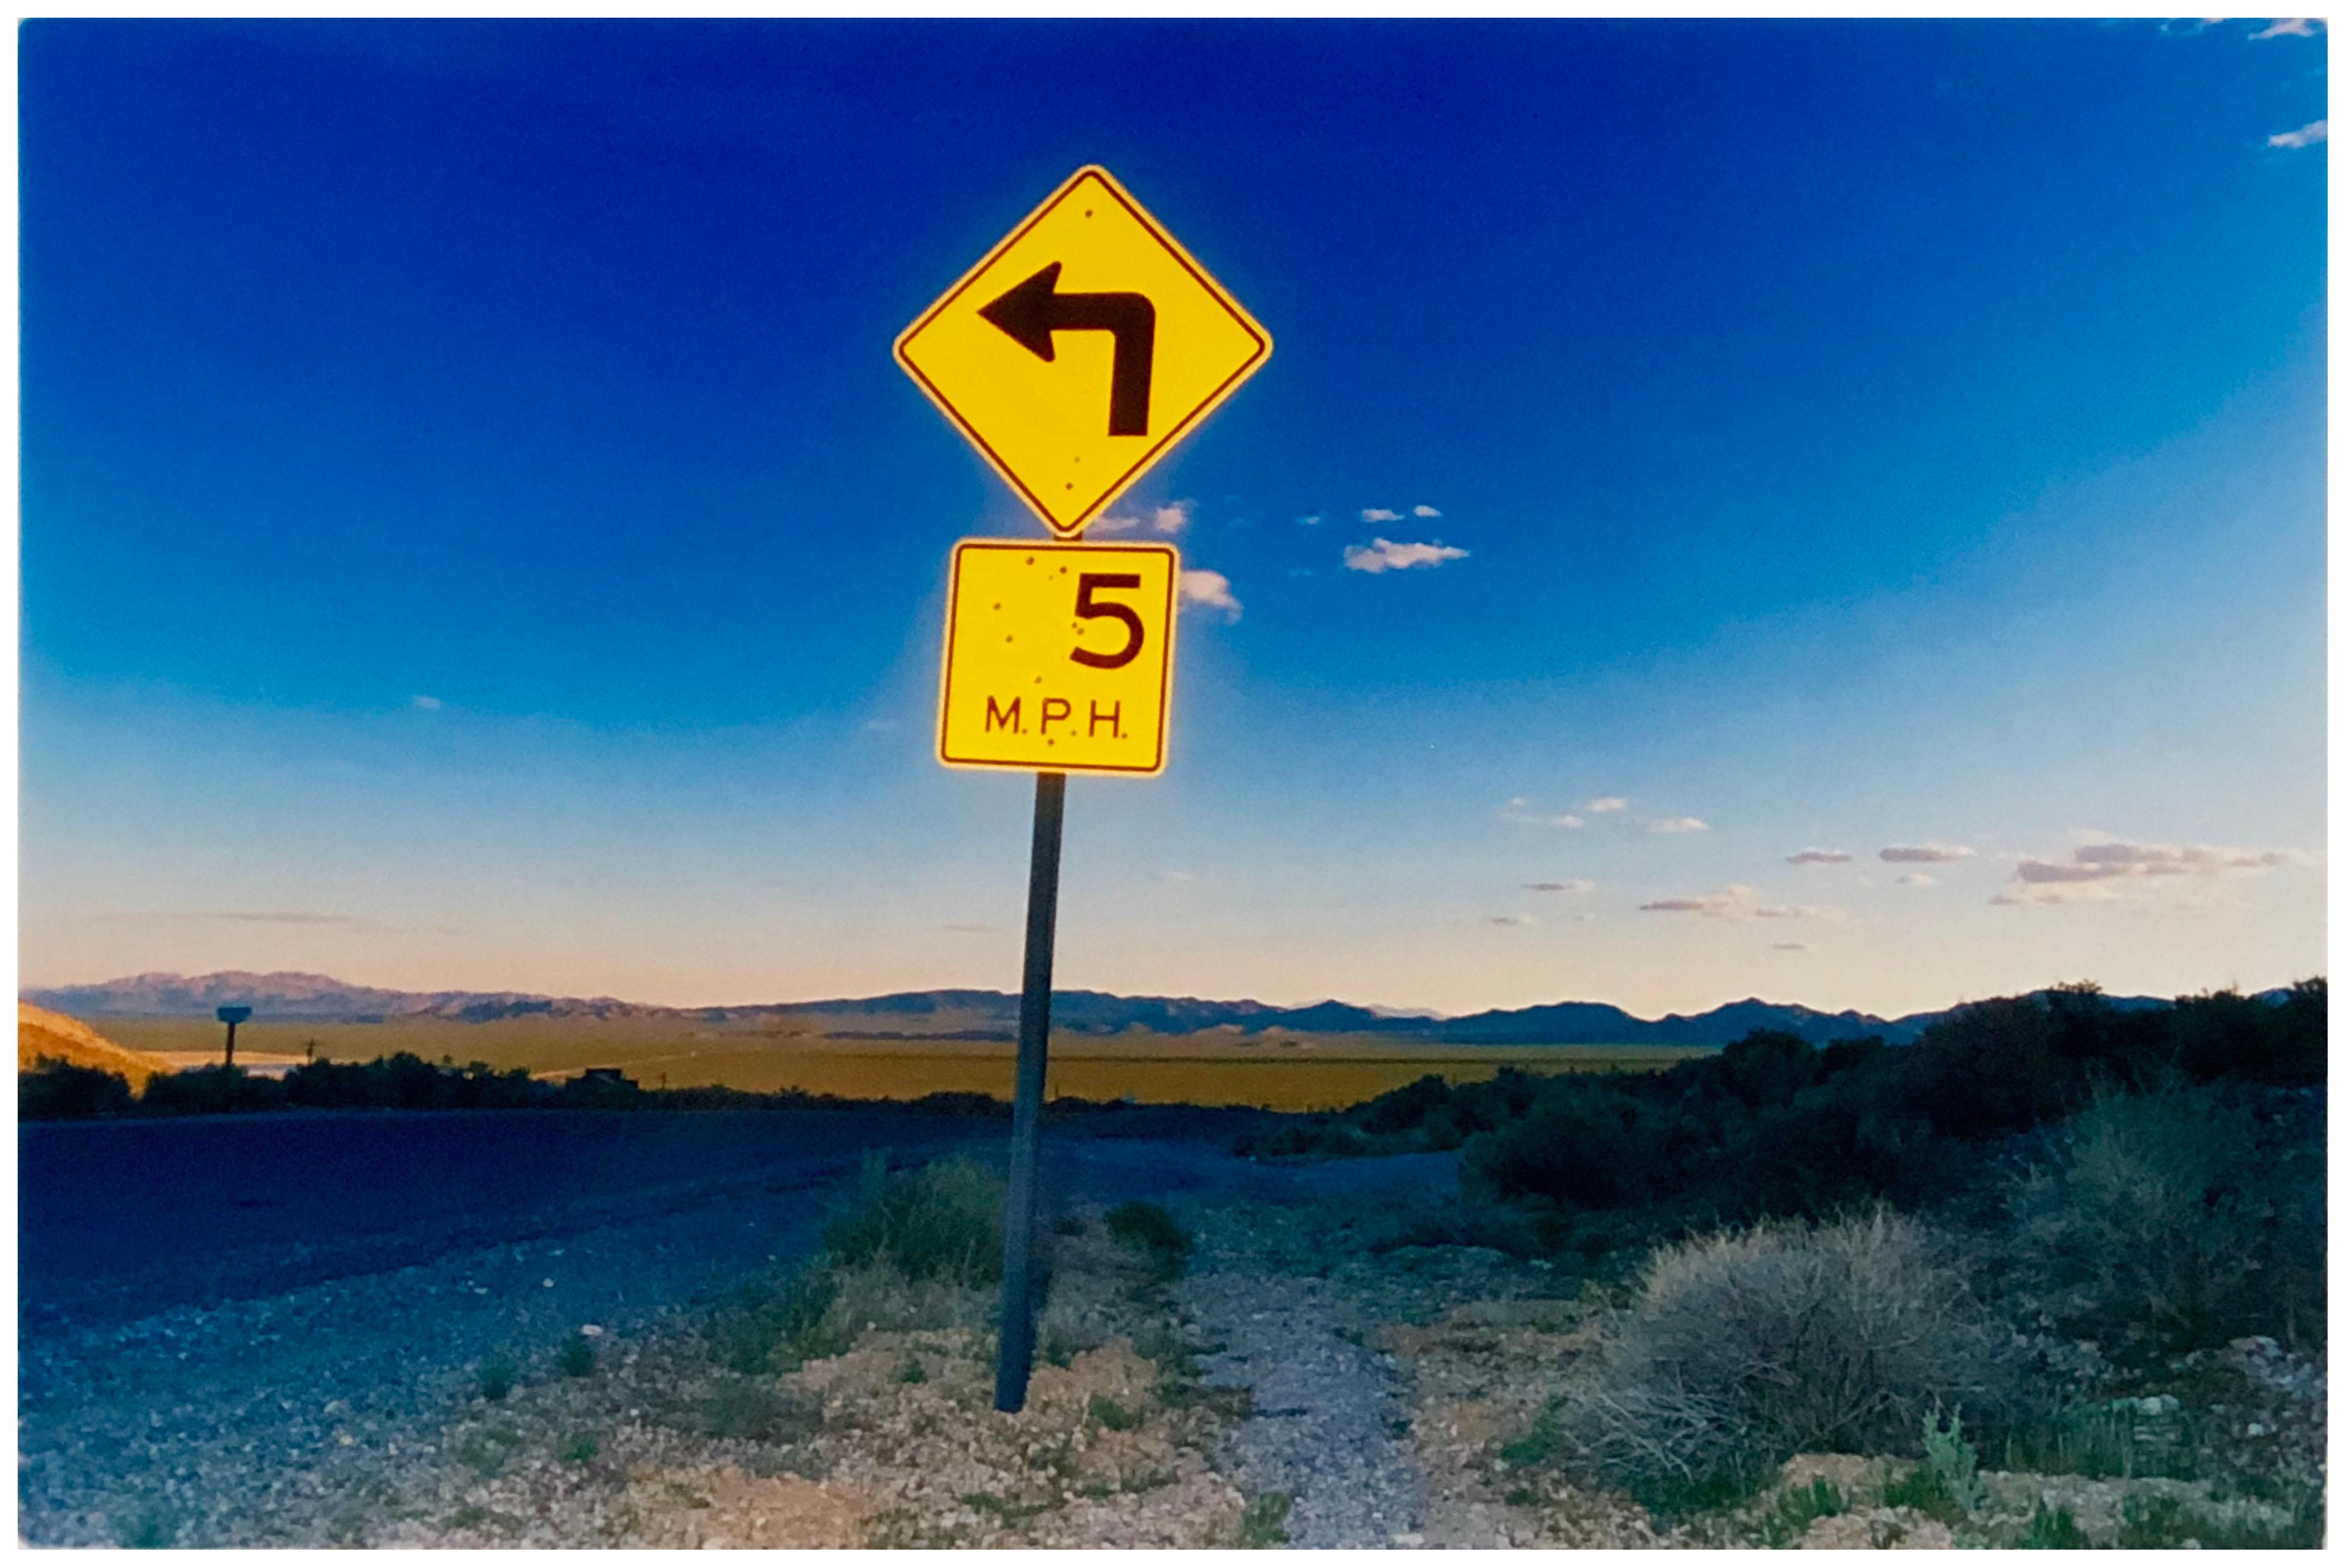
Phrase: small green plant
(1263,1522)
(577,1357)
(1540,1445)
(1954,1462)
(470,1516)
(1674,1496)
(577,1448)
(147,1531)
(2055,1530)
(1112,1415)
(910,1371)
(1002,1508)
(497,1379)
(1151,1230)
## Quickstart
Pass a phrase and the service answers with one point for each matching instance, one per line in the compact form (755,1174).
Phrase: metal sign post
(1074,356)
(1018,1356)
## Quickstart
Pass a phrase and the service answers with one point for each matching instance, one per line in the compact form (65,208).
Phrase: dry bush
(1742,1348)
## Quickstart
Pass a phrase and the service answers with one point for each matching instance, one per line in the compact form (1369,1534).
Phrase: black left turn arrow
(1036,308)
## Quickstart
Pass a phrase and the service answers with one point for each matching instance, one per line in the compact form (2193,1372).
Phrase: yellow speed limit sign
(1059,657)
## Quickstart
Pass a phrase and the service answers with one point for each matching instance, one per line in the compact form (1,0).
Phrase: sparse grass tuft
(775,1328)
(2054,1530)
(1264,1522)
(2152,1522)
(1148,1228)
(148,1531)
(484,1451)
(2099,1443)
(941,1221)
(758,1409)
(1800,1507)
(496,1378)
(910,1371)
(1112,1415)
(577,1357)
(577,1448)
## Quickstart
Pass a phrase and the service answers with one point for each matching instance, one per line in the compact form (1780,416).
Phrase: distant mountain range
(985,1014)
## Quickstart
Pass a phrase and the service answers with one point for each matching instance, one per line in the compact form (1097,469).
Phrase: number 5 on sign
(1059,657)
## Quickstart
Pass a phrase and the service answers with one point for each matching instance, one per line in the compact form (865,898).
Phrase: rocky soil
(1308,1379)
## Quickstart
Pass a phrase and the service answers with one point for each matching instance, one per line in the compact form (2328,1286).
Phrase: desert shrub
(2173,1219)
(938,1221)
(2226,1036)
(59,1091)
(1403,1109)
(577,1357)
(208,1090)
(1588,1146)
(1742,1348)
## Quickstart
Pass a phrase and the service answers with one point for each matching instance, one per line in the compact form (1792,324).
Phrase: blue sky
(474,534)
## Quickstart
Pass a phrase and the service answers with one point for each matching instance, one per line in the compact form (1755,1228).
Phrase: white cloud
(1517,811)
(1180,877)
(2290,27)
(1172,519)
(1512,920)
(1789,946)
(428,703)
(1737,901)
(1385,556)
(1569,885)
(1310,522)
(2086,877)
(1929,854)
(1379,514)
(1918,880)
(1606,803)
(1817,858)
(2306,135)
(1211,589)
(1730,903)
(878,726)
(1677,825)
(1422,510)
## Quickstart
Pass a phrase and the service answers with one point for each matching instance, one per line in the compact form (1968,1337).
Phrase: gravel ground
(1328,1420)
(219,1387)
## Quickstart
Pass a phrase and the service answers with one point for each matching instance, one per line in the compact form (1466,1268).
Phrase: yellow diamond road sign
(1059,657)
(1081,349)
